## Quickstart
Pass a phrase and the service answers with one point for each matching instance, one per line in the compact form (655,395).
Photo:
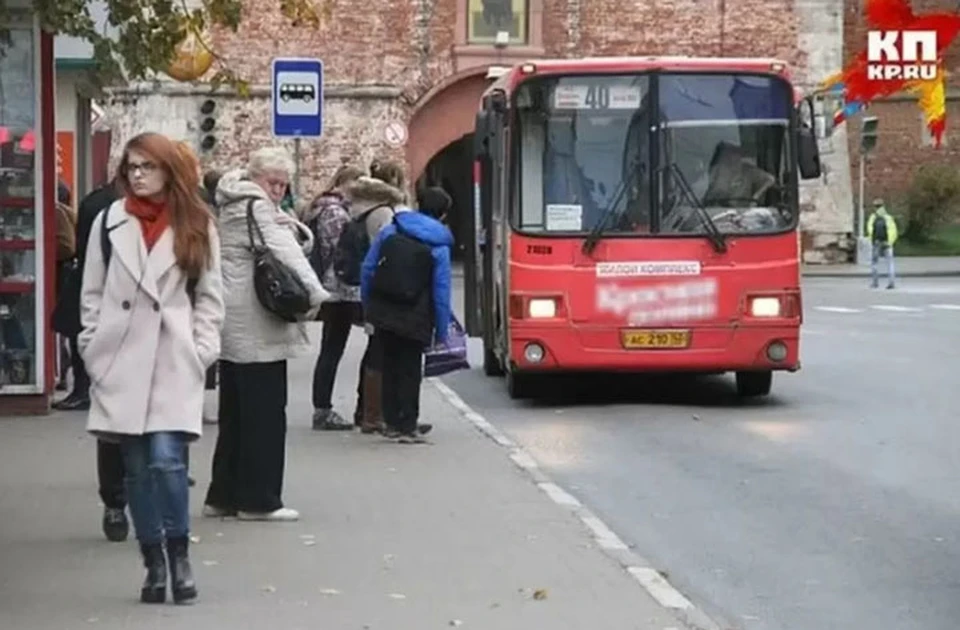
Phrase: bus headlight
(765,307)
(533,353)
(541,308)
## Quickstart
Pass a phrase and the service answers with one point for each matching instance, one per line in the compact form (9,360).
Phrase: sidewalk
(391,537)
(906,266)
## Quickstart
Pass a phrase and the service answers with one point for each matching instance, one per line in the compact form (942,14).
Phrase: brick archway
(444,115)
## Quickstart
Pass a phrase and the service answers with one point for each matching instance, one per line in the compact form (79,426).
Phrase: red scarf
(153,215)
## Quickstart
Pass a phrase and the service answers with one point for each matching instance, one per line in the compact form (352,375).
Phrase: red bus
(639,215)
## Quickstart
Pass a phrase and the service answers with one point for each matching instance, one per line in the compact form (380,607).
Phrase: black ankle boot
(181,573)
(154,590)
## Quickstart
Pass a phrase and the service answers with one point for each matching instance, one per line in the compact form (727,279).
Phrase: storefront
(27,197)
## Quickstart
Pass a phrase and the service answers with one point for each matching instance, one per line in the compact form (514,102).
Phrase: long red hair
(189,216)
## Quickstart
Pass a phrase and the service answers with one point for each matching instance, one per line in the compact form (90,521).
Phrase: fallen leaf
(495,605)
(269,588)
(540,594)
(456,623)
(329,591)
(210,563)
(696,418)
(397,596)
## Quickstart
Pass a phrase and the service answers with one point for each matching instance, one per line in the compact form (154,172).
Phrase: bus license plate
(637,339)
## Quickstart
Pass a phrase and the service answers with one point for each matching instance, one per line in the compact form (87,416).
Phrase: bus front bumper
(710,349)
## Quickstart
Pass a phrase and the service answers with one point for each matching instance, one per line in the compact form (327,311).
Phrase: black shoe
(181,573)
(115,524)
(391,434)
(154,590)
(330,420)
(191,482)
(890,286)
(73,402)
(423,429)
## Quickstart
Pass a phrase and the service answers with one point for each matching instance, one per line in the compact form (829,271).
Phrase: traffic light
(868,134)
(208,123)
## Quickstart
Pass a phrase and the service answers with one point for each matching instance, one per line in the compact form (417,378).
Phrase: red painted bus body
(596,253)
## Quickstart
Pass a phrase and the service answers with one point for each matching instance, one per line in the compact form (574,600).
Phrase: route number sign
(597,97)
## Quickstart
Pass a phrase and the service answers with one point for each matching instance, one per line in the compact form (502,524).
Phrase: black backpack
(404,268)
(880,229)
(352,248)
(106,249)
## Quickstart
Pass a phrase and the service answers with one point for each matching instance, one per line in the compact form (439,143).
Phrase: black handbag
(279,289)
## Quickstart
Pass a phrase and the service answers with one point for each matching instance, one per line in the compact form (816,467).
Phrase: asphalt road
(833,504)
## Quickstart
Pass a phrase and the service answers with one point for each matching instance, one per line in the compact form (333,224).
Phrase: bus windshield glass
(586,159)
(723,145)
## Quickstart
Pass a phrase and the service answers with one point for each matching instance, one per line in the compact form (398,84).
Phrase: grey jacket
(251,334)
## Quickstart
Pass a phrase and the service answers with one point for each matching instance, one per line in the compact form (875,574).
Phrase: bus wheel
(491,363)
(519,385)
(750,384)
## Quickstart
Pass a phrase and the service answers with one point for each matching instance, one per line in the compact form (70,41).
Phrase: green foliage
(932,201)
(148,31)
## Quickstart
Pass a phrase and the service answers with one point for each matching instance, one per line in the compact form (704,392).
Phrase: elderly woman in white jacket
(249,459)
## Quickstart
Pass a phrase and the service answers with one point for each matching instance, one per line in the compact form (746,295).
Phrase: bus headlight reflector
(765,307)
(777,351)
(542,308)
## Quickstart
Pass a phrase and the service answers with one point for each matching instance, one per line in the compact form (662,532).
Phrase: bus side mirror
(481,135)
(808,154)
(808,148)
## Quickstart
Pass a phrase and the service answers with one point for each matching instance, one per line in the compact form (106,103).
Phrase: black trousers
(110,475)
(402,374)
(338,320)
(81,380)
(250,455)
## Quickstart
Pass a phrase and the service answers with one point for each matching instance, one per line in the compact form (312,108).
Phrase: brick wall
(403,48)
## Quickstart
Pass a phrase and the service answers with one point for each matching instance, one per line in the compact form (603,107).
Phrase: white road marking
(837,309)
(605,537)
(659,588)
(559,495)
(650,579)
(946,307)
(896,309)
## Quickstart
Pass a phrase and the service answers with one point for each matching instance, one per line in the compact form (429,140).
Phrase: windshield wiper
(590,243)
(713,232)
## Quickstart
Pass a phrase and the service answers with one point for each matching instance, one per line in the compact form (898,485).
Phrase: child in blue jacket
(405,289)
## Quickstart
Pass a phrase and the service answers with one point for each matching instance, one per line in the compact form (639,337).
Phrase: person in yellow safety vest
(882,232)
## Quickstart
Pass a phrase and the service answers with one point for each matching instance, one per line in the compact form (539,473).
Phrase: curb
(651,579)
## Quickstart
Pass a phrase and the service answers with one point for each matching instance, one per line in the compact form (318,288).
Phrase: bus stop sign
(297,95)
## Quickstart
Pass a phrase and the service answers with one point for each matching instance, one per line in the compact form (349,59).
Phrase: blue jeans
(881,250)
(156,480)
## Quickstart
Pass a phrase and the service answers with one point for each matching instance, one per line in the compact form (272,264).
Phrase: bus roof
(638,64)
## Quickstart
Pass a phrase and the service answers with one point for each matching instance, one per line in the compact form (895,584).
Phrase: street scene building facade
(425,65)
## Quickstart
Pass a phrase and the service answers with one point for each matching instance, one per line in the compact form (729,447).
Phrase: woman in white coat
(152,310)
(250,455)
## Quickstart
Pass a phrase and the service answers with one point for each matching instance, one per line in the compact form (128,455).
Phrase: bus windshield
(587,161)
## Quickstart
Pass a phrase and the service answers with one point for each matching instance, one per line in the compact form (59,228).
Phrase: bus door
(485,291)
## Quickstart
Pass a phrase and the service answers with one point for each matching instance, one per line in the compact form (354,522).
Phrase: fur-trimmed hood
(366,193)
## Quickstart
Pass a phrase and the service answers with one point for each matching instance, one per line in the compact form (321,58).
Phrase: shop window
(486,18)
(20,327)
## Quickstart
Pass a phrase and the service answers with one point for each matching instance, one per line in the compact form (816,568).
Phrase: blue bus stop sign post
(297,96)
